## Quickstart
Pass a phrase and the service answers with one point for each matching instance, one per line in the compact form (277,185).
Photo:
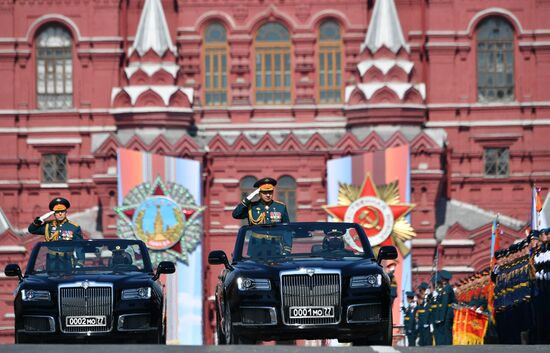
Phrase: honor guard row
(429,320)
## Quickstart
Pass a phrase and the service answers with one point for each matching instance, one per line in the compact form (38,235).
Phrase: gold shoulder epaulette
(282,203)
(73,223)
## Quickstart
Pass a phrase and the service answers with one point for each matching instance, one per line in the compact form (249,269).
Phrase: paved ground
(261,349)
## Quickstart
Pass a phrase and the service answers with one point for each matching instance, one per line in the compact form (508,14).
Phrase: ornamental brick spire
(388,88)
(152,31)
(151,82)
(384,29)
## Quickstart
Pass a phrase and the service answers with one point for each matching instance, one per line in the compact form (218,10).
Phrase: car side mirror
(218,257)
(13,270)
(386,253)
(164,267)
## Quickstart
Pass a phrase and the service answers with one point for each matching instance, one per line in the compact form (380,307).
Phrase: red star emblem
(380,216)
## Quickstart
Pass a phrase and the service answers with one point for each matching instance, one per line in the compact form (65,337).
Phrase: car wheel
(219,332)
(387,335)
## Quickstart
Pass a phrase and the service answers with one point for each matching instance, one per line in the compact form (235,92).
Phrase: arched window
(247,186)
(272,65)
(54,68)
(215,65)
(495,60)
(330,63)
(286,192)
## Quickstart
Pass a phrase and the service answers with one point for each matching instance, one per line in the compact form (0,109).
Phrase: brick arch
(271,14)
(385,95)
(42,21)
(373,74)
(494,11)
(328,14)
(357,97)
(139,78)
(179,99)
(412,96)
(122,99)
(214,16)
(149,99)
(397,74)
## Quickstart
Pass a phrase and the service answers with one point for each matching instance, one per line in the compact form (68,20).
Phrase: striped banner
(184,289)
(384,166)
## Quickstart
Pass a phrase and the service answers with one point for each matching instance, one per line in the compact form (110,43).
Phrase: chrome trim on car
(272,312)
(311,287)
(93,305)
(51,321)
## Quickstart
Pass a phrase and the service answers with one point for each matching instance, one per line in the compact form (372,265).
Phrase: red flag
(538,201)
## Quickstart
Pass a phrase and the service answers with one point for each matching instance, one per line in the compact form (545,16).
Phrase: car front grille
(311,288)
(85,300)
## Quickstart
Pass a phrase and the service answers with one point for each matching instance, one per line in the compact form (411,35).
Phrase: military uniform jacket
(260,213)
(410,320)
(423,313)
(53,231)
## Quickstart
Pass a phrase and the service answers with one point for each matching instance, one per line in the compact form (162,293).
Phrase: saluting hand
(253,194)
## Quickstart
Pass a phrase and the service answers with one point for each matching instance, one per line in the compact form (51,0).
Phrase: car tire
(219,332)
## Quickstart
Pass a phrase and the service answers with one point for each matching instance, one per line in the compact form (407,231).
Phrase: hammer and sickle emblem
(366,217)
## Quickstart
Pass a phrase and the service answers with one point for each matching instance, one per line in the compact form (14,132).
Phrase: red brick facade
(446,127)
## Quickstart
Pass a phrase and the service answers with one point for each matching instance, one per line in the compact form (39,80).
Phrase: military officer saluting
(59,228)
(265,210)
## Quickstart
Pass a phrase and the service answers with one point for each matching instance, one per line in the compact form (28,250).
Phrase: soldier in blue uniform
(60,228)
(447,300)
(423,313)
(410,319)
(265,210)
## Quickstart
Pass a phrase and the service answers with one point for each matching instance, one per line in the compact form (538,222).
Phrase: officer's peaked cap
(265,184)
(445,274)
(423,285)
(59,204)
(409,294)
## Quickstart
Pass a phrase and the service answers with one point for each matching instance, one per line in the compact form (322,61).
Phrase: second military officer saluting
(60,228)
(264,211)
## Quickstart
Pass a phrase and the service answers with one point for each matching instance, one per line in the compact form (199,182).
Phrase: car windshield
(62,257)
(335,240)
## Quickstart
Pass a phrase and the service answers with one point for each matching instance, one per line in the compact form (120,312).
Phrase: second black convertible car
(89,291)
(303,281)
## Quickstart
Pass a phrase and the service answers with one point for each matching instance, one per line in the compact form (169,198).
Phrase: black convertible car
(89,291)
(303,281)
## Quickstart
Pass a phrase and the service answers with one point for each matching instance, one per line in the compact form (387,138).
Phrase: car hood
(318,263)
(115,278)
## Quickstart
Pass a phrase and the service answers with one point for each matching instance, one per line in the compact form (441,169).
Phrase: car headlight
(32,295)
(245,284)
(369,281)
(136,293)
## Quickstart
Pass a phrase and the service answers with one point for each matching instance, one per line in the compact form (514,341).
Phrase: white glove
(435,294)
(431,328)
(253,194)
(46,216)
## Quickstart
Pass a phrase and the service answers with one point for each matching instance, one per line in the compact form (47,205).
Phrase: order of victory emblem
(378,210)
(164,216)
